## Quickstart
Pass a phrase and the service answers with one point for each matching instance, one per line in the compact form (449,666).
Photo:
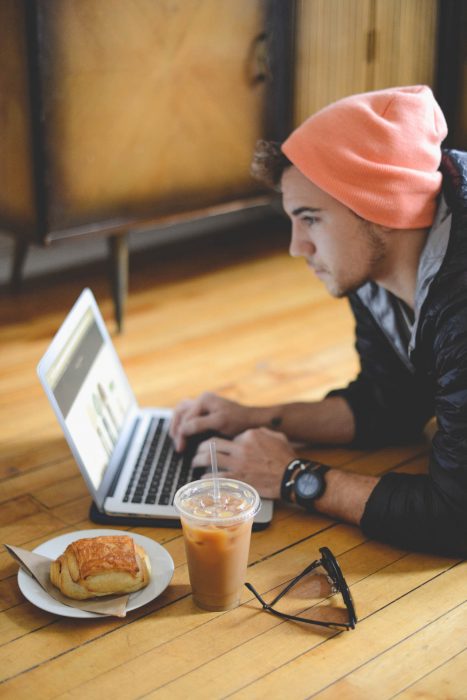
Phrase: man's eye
(310,220)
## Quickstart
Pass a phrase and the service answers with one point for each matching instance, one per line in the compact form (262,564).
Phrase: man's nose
(300,246)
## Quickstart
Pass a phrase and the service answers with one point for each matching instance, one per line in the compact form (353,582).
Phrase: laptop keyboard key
(159,470)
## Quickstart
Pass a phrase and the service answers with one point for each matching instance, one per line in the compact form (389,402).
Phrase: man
(377,222)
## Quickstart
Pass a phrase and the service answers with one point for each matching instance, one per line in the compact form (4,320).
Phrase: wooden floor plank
(42,477)
(233,661)
(226,634)
(169,623)
(446,682)
(309,671)
(401,665)
(213,303)
(261,548)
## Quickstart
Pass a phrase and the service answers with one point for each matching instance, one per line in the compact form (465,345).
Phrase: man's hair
(269,163)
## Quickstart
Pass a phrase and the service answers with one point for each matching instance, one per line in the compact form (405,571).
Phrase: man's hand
(258,457)
(208,412)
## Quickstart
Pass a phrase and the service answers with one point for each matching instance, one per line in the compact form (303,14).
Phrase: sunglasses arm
(268,608)
(257,596)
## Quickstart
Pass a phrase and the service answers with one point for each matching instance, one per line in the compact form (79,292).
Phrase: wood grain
(352,46)
(235,314)
(150,105)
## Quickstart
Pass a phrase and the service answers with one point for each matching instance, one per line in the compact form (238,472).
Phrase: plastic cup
(217,537)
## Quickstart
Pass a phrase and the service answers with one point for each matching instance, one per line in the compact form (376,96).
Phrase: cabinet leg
(118,252)
(19,256)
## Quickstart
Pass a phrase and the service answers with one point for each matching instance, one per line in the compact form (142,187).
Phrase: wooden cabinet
(351,46)
(121,113)
(117,115)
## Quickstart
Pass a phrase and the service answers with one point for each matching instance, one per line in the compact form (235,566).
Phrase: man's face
(343,250)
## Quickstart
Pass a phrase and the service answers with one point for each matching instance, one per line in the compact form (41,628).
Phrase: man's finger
(226,451)
(177,416)
(198,425)
(223,446)
(225,462)
(187,421)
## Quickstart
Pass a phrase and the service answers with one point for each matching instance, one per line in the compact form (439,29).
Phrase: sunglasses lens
(313,597)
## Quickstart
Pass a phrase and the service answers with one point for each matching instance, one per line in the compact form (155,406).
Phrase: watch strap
(288,480)
(293,469)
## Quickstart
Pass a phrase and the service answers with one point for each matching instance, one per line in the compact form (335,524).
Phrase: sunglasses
(337,582)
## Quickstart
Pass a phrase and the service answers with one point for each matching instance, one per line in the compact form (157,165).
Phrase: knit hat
(378,153)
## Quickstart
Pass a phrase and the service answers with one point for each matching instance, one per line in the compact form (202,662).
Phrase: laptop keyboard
(159,470)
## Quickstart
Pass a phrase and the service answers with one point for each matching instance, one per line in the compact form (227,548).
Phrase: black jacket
(391,404)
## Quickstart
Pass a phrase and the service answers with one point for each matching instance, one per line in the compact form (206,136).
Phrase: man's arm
(260,457)
(346,495)
(428,512)
(326,421)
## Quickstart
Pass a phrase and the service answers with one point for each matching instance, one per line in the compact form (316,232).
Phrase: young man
(378,222)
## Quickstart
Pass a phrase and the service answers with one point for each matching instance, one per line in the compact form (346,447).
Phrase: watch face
(307,485)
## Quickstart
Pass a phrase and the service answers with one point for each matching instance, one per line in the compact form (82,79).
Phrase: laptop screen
(90,394)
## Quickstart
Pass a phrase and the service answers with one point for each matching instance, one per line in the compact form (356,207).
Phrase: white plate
(162,567)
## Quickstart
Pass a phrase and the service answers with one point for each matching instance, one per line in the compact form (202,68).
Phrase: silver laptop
(123,451)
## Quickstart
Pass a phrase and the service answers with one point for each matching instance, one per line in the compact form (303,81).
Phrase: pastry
(99,566)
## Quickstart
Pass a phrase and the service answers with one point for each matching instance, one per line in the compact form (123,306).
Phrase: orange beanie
(378,153)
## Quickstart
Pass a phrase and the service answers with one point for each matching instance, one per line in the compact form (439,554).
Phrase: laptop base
(104,519)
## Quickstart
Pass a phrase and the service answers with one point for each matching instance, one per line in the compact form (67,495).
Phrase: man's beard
(378,249)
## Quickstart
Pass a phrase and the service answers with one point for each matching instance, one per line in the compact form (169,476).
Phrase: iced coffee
(217,533)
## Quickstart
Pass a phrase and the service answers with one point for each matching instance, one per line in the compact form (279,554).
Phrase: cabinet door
(17,206)
(149,108)
(404,43)
(352,46)
(331,52)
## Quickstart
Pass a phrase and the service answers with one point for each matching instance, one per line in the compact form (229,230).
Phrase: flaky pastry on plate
(99,566)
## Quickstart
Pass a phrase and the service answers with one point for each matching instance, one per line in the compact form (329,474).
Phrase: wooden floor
(235,314)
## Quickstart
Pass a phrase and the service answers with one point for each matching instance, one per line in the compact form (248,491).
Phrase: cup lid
(238,501)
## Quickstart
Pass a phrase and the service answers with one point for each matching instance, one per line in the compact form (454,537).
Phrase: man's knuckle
(250,433)
(217,421)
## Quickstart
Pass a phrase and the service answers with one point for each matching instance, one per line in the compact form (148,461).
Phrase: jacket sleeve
(429,512)
(390,403)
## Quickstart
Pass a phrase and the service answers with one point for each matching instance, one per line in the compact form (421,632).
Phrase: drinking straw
(215,472)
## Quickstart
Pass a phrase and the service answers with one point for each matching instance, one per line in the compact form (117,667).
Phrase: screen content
(91,394)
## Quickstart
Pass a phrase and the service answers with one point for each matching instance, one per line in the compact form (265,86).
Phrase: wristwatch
(305,480)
